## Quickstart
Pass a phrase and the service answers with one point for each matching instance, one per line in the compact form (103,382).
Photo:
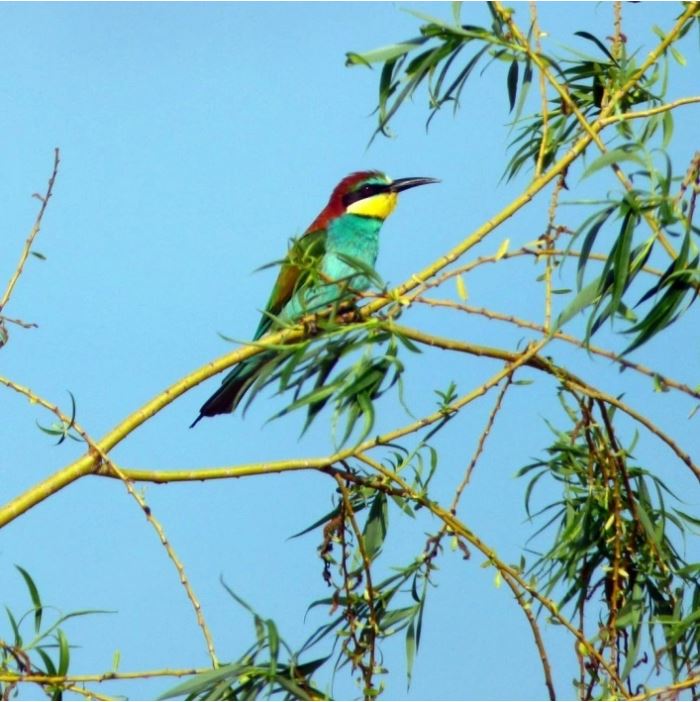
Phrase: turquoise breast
(350,237)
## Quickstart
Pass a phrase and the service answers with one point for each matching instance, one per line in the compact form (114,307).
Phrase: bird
(325,266)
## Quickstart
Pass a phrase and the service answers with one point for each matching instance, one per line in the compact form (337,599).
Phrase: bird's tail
(233,387)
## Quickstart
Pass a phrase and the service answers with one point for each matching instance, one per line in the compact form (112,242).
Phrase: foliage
(613,544)
(249,677)
(37,647)
(588,89)
(608,563)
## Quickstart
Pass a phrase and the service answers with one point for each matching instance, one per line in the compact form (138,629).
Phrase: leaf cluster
(44,649)
(345,365)
(268,668)
(610,545)
(586,85)
(371,611)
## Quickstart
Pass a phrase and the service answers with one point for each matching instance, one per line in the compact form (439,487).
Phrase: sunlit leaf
(613,156)
(502,249)
(461,288)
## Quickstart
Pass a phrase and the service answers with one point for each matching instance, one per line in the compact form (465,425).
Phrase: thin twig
(367,566)
(561,374)
(659,109)
(481,443)
(549,240)
(101,677)
(19,322)
(544,139)
(537,634)
(662,692)
(33,233)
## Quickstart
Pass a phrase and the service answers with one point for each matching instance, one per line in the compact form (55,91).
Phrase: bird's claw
(310,325)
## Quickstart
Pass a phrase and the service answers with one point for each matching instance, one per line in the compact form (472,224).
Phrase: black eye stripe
(365,191)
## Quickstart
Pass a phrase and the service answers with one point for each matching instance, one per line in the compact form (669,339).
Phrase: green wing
(302,259)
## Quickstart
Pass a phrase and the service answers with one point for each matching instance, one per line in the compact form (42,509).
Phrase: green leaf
(385,53)
(49,667)
(614,156)
(621,257)
(598,221)
(402,615)
(273,642)
(63,653)
(461,288)
(661,316)
(15,628)
(678,56)
(34,595)
(667,128)
(524,89)
(631,658)
(203,681)
(410,651)
(584,299)
(375,529)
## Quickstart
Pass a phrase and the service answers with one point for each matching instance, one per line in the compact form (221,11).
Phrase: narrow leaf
(502,249)
(512,82)
(376,526)
(597,42)
(614,156)
(461,288)
(34,595)
(584,299)
(385,53)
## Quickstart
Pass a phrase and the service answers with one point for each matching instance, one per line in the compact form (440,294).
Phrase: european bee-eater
(322,267)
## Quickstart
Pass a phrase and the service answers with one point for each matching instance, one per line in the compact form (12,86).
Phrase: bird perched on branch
(326,265)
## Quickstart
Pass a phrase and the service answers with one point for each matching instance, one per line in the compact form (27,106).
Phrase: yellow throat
(379,206)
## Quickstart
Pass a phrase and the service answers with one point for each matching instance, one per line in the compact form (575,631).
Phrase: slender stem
(367,566)
(526,607)
(668,691)
(101,677)
(544,103)
(641,114)
(33,233)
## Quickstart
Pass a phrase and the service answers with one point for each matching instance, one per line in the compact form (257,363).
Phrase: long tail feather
(233,387)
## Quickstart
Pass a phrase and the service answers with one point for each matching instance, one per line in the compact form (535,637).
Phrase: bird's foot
(310,325)
(350,316)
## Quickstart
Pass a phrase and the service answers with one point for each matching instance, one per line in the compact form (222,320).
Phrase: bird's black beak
(405,183)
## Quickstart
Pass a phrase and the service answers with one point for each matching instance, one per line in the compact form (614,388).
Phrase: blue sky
(195,140)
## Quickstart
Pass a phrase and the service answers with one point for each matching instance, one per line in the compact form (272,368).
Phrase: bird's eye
(366,190)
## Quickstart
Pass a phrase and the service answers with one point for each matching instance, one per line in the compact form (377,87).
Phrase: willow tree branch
(557,372)
(68,424)
(91,462)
